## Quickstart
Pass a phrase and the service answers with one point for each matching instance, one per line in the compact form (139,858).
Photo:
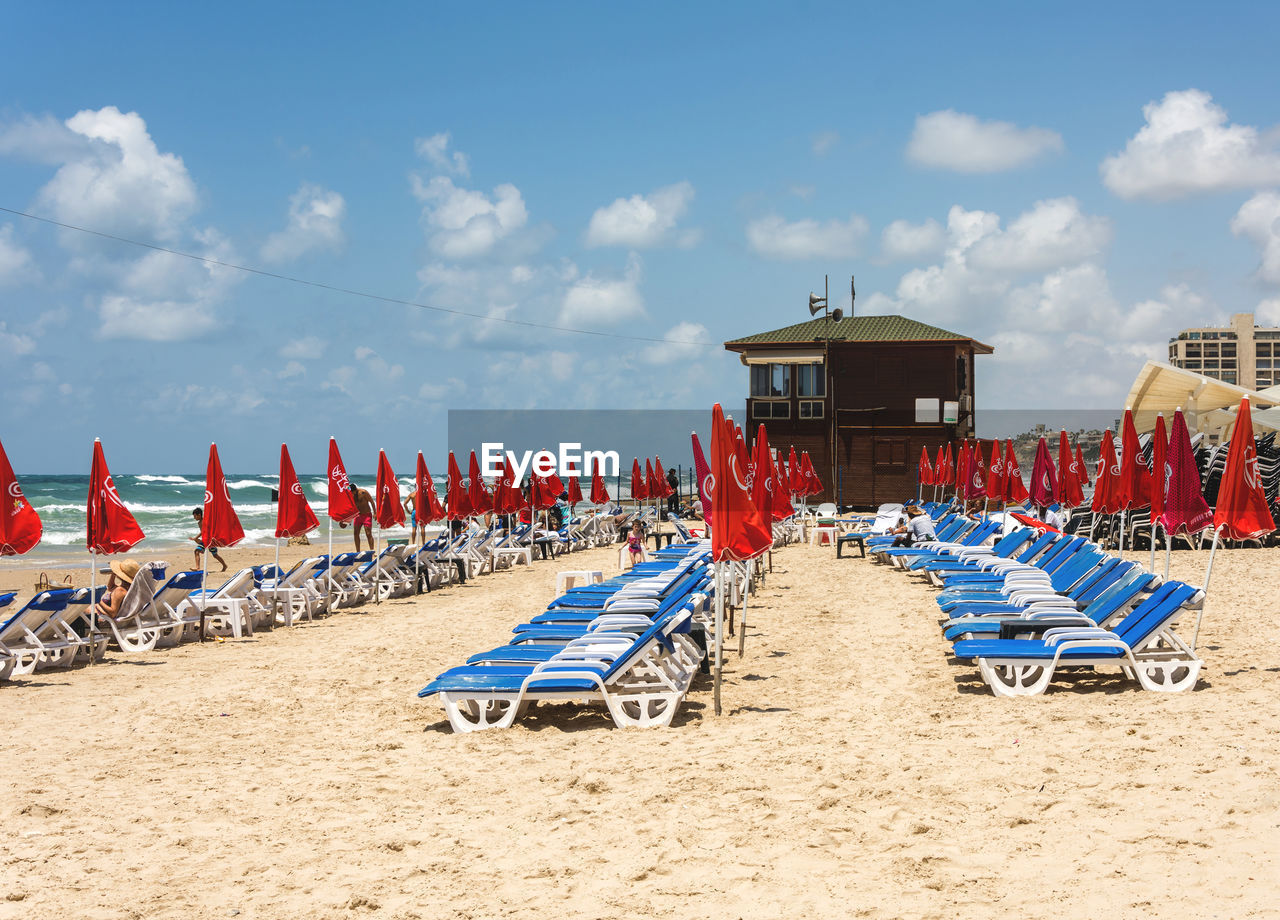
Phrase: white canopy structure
(1208,405)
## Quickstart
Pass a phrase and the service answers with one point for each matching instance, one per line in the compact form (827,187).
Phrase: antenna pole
(826,296)
(852,297)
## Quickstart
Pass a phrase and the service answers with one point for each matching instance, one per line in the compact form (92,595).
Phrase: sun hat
(125,570)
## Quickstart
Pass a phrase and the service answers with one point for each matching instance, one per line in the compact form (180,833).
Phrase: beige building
(1242,354)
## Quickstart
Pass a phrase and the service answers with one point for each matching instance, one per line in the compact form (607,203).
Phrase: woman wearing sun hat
(120,577)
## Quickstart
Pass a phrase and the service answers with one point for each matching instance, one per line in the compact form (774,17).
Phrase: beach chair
(33,638)
(232,608)
(139,623)
(642,686)
(294,596)
(1143,646)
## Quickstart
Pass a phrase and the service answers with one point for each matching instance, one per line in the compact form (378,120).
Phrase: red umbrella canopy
(221,526)
(1015,490)
(20,527)
(962,470)
(477,495)
(924,472)
(552,482)
(664,487)
(1133,487)
(795,478)
(740,531)
(110,526)
(426,503)
(456,493)
(702,473)
(1185,510)
(763,482)
(1105,500)
(342,506)
(940,468)
(639,488)
(949,467)
(387,507)
(575,491)
(995,474)
(814,486)
(1082,471)
(651,484)
(507,497)
(294,516)
(1159,471)
(599,494)
(782,508)
(1242,512)
(1070,492)
(1044,478)
(977,472)
(540,492)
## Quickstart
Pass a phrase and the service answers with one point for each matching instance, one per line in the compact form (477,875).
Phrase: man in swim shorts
(364,514)
(198,514)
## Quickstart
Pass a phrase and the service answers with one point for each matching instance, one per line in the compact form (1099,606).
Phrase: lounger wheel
(643,711)
(1015,679)
(467,714)
(1168,676)
(138,640)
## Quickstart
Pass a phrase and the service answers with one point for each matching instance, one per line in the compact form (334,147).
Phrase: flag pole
(1213,548)
(719,583)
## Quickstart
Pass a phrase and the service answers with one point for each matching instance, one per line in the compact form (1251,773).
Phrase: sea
(162,504)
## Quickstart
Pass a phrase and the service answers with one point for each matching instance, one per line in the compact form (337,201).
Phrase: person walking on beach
(673,500)
(198,514)
(635,543)
(364,514)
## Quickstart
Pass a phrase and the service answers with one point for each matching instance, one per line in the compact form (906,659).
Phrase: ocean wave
(178,480)
(250,484)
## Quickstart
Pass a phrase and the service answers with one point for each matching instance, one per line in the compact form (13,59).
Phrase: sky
(1071,186)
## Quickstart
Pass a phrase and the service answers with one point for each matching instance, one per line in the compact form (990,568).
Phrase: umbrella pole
(742,626)
(204,595)
(377,568)
(1122,513)
(1168,548)
(719,582)
(1153,544)
(1093,522)
(1213,548)
(93,601)
(328,572)
(275,594)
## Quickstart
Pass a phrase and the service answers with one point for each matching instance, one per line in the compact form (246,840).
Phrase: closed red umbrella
(426,503)
(456,494)
(702,475)
(795,479)
(977,472)
(294,516)
(664,487)
(1242,512)
(962,470)
(1082,471)
(111,528)
(342,506)
(741,533)
(20,527)
(599,494)
(1105,499)
(814,486)
(1015,490)
(388,508)
(639,487)
(763,481)
(575,491)
(1133,488)
(995,474)
(1185,511)
(651,484)
(1159,472)
(221,525)
(924,472)
(1044,478)
(1070,493)
(478,497)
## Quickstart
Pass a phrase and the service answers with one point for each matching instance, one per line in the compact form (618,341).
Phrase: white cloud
(641,222)
(1267,312)
(1259,220)
(167,298)
(308,348)
(15,344)
(315,222)
(824,142)
(592,301)
(904,240)
(679,344)
(775,238)
(115,178)
(958,141)
(1052,233)
(435,150)
(292,369)
(463,223)
(1187,146)
(16,264)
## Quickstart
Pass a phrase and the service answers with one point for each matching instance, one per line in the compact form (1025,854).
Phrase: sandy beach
(855,772)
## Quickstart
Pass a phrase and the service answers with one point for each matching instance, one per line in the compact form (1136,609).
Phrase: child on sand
(198,514)
(635,543)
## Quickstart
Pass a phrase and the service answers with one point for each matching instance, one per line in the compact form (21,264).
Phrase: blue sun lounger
(1143,646)
(642,686)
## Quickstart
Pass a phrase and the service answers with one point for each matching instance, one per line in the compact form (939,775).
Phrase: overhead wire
(338,289)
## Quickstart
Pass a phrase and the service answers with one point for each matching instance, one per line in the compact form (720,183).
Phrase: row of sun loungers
(1027,607)
(627,644)
(53,630)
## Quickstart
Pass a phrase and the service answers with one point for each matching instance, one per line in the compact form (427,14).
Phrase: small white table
(572,577)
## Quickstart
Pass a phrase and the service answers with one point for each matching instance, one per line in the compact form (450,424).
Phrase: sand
(856,772)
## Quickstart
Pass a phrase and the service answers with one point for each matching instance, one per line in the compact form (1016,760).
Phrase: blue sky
(1069,186)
